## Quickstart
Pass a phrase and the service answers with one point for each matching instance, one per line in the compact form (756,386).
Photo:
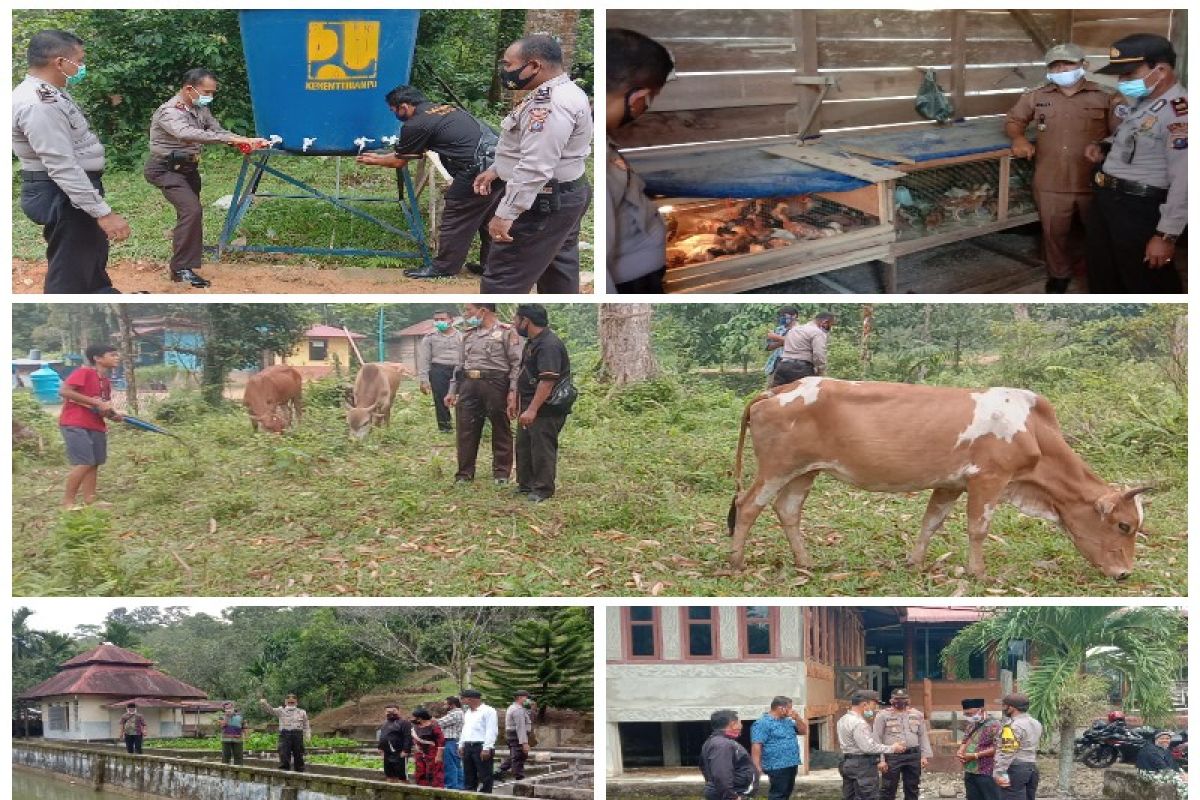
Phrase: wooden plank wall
(736,66)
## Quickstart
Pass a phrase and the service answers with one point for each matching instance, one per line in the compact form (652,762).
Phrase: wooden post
(804,28)
(958,62)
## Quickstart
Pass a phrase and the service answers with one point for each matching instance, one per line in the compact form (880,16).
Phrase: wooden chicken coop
(789,144)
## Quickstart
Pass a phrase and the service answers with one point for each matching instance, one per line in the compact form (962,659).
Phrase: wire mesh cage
(944,198)
(711,230)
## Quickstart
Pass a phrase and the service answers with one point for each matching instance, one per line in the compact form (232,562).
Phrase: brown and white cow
(997,445)
(273,398)
(374,392)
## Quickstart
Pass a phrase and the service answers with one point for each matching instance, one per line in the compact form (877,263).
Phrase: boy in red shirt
(87,397)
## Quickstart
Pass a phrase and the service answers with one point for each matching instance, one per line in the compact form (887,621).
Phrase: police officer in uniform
(1140,207)
(861,752)
(466,146)
(1016,769)
(638,67)
(544,144)
(61,163)
(907,726)
(438,355)
(294,731)
(804,350)
(1070,112)
(179,129)
(544,362)
(484,389)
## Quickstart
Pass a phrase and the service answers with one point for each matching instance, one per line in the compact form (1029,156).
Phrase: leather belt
(1105,181)
(476,374)
(860,755)
(34,176)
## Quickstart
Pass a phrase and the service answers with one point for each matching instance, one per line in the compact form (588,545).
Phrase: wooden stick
(353,346)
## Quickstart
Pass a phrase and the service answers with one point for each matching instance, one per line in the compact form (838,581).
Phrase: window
(928,655)
(642,629)
(318,349)
(699,632)
(56,720)
(760,626)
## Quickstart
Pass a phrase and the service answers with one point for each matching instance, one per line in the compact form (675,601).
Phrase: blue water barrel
(45,383)
(323,75)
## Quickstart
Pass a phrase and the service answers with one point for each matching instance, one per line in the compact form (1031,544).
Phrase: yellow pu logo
(343,55)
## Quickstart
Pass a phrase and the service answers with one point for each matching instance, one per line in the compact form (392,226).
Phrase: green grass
(279,222)
(252,741)
(644,490)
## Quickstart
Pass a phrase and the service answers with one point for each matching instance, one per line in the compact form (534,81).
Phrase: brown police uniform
(177,133)
(1062,188)
(541,157)
(487,373)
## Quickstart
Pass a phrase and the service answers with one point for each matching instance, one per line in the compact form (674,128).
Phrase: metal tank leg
(410,206)
(240,204)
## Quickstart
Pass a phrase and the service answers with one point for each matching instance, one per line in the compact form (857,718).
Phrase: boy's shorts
(85,447)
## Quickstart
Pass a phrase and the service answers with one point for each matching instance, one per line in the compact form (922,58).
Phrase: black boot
(195,280)
(1057,285)
(474,269)
(428,272)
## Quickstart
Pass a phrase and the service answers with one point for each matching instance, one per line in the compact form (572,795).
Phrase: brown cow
(997,445)
(273,398)
(374,391)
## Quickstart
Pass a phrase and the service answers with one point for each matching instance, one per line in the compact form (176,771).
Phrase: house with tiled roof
(88,695)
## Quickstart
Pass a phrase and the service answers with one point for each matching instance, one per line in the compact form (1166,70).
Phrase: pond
(28,785)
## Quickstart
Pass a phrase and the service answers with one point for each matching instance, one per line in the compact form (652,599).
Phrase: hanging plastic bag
(932,102)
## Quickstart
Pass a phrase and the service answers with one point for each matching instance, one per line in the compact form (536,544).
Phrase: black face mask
(393,717)
(511,78)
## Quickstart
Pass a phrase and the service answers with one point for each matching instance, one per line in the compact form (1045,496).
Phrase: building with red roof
(88,695)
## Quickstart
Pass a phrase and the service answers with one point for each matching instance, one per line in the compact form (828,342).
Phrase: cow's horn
(1134,492)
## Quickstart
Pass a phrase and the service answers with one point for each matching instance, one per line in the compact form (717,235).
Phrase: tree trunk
(1066,757)
(1021,312)
(509,26)
(625,350)
(926,331)
(561,24)
(128,354)
(864,342)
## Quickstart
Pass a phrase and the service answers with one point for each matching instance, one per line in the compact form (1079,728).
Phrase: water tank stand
(245,190)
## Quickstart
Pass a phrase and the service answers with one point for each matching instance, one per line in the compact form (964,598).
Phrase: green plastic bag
(932,102)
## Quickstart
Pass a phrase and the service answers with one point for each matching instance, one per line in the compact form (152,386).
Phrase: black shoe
(521,490)
(474,269)
(1057,285)
(187,275)
(500,481)
(538,497)
(428,272)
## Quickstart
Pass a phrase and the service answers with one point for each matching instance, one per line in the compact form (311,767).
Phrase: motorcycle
(1104,744)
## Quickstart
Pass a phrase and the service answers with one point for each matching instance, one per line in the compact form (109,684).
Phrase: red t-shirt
(87,381)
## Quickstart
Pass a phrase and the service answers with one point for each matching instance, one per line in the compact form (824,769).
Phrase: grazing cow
(374,391)
(272,398)
(997,445)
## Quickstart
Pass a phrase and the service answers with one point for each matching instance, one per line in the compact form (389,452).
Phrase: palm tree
(1142,645)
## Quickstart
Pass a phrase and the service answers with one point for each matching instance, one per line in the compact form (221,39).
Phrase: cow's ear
(1106,503)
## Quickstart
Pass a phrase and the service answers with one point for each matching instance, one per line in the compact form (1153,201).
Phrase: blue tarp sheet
(749,172)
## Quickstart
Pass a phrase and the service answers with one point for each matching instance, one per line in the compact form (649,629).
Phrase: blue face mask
(1136,89)
(473,322)
(1069,78)
(80,74)
(441,325)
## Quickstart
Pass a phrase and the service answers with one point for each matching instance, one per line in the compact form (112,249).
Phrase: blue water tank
(45,383)
(323,75)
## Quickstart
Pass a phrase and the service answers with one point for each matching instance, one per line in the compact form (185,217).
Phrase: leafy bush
(86,555)
(348,760)
(182,406)
(327,392)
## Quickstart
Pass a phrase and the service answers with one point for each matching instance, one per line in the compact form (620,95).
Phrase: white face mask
(1066,78)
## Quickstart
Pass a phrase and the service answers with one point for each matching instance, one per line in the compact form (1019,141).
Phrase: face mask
(202,99)
(511,78)
(473,322)
(1136,89)
(1065,78)
(869,713)
(80,74)
(441,326)
(393,717)
(523,331)
(899,705)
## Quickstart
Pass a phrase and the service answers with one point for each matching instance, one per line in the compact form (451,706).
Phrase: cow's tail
(739,460)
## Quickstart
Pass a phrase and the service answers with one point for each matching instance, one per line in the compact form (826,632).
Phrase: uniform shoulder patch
(1121,110)
(441,110)
(180,107)
(46,93)
(1179,106)
(1157,104)
(541,94)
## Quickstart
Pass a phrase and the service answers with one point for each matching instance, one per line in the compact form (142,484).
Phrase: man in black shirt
(466,146)
(728,770)
(1157,757)
(544,363)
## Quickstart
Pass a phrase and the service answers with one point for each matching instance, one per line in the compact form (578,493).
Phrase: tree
(625,349)
(447,640)
(549,655)
(237,335)
(562,24)
(1142,645)
(128,355)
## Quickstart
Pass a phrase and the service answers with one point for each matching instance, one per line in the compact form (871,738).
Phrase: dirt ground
(262,278)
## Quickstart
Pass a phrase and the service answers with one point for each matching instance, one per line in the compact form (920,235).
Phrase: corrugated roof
(107,654)
(417,329)
(329,332)
(943,614)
